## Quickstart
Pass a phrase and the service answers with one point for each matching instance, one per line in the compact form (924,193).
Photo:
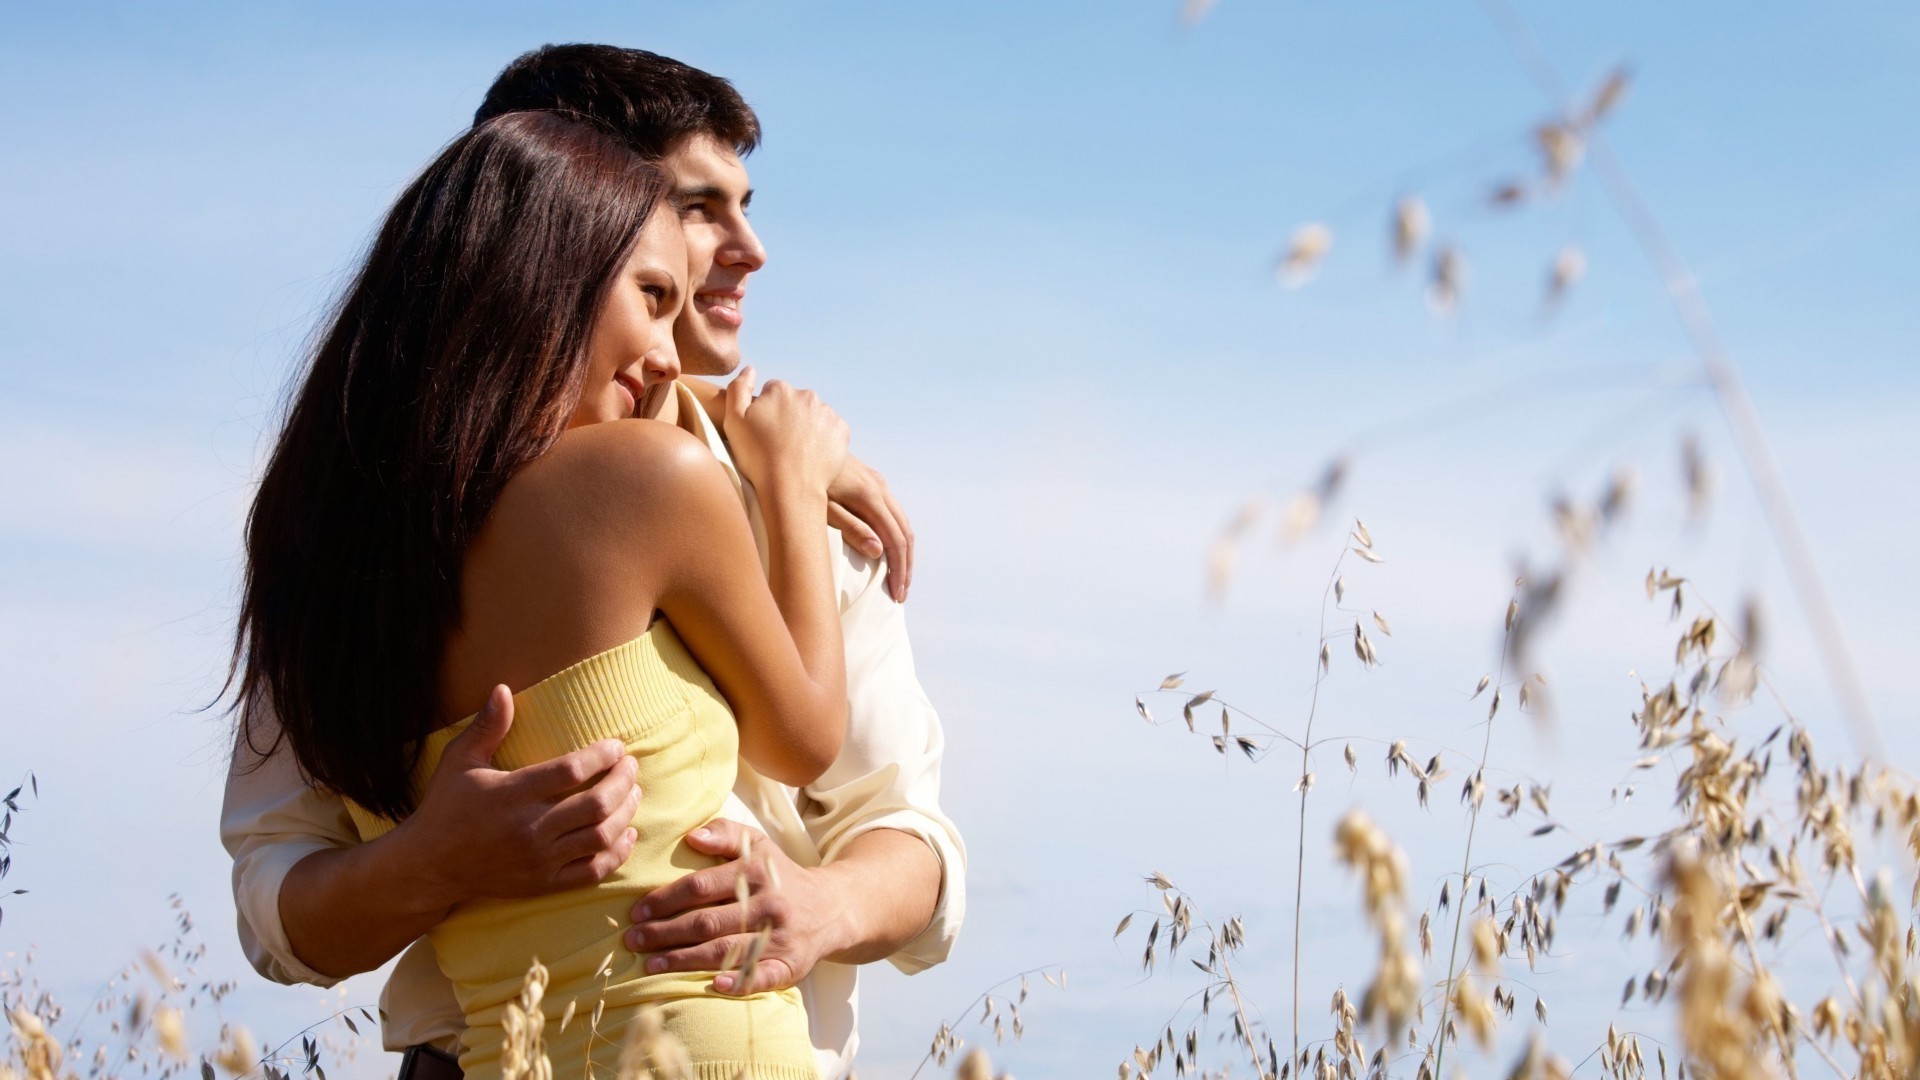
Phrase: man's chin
(715,368)
(713,359)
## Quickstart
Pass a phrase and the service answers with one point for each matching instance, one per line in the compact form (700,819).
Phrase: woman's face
(631,363)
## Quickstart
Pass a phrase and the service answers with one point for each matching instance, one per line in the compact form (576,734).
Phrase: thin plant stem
(1723,377)
(1246,1028)
(1306,748)
(961,1016)
(1439,1043)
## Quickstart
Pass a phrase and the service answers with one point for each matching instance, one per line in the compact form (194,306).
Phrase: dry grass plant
(150,1015)
(1717,887)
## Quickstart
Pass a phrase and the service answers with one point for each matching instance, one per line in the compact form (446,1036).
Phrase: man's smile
(722,307)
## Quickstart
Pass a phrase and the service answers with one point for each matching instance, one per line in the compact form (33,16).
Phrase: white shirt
(886,777)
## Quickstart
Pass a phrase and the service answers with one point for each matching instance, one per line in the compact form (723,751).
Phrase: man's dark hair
(651,101)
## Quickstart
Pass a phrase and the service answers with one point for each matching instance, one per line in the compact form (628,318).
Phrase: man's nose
(743,250)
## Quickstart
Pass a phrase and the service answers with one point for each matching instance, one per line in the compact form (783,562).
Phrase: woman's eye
(658,293)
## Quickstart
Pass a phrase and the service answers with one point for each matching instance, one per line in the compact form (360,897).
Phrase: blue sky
(1028,251)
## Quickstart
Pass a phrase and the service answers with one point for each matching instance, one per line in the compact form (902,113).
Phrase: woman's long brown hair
(455,357)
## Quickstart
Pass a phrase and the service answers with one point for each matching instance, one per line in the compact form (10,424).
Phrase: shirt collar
(694,418)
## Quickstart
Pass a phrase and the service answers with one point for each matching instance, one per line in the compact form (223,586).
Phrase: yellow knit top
(651,694)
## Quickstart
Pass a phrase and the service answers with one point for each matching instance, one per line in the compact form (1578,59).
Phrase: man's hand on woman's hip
(693,923)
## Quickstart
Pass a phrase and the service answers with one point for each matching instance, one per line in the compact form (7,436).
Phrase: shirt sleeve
(888,773)
(270,819)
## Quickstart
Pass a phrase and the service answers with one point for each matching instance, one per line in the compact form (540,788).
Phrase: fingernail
(657,965)
(699,833)
(632,763)
(874,548)
(633,836)
(645,913)
(723,983)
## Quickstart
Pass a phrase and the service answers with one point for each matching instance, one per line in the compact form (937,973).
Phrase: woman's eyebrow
(671,284)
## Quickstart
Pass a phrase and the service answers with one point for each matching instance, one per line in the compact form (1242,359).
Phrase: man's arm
(271,820)
(887,778)
(316,904)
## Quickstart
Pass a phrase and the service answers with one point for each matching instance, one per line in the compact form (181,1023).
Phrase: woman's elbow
(807,759)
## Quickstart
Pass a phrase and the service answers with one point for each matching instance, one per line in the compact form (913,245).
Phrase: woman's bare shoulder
(609,480)
(576,553)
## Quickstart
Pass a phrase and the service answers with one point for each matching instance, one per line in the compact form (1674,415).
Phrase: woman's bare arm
(771,645)
(621,519)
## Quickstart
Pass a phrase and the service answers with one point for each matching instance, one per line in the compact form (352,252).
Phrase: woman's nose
(661,364)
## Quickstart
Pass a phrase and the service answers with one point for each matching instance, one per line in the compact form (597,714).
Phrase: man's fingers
(726,838)
(476,745)
(613,796)
(854,531)
(582,845)
(601,834)
(709,886)
(771,973)
(552,779)
(705,956)
(694,927)
(594,869)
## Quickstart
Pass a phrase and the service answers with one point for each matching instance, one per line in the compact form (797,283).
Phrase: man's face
(710,190)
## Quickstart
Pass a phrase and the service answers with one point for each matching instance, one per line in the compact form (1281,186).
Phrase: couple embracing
(543,649)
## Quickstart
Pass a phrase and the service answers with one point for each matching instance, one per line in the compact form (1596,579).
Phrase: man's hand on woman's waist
(478,832)
(876,896)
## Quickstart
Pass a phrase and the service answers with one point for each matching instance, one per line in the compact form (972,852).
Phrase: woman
(460,492)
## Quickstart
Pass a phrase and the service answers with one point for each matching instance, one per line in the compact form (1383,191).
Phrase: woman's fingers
(854,531)
(740,393)
(899,554)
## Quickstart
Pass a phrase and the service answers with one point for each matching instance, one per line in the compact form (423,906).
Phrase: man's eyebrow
(704,192)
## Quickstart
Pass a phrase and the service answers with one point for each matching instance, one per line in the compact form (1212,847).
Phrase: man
(862,865)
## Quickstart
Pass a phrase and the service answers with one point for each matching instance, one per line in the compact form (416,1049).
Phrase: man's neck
(670,410)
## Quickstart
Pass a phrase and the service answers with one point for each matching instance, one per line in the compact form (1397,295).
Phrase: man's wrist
(404,863)
(841,932)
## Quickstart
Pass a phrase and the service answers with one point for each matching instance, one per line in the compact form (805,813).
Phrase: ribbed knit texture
(650,694)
